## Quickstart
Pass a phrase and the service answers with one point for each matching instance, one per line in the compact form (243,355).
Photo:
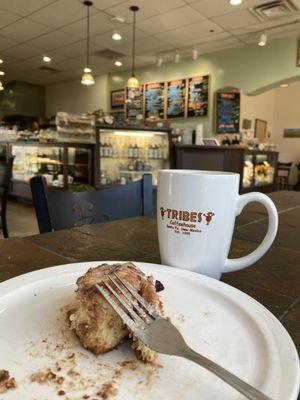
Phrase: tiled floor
(21,220)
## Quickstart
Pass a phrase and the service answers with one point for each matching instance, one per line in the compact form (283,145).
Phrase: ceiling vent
(49,70)
(274,9)
(109,54)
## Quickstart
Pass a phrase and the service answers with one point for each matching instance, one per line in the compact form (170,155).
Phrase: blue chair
(57,210)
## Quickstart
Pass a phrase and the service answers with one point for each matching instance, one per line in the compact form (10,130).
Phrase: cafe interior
(150,199)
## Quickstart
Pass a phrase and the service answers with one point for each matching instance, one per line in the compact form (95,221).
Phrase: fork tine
(128,307)
(122,314)
(139,298)
(133,301)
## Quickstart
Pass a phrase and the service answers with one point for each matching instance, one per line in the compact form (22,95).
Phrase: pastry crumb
(6,383)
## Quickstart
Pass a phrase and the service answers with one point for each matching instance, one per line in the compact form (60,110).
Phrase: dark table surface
(274,280)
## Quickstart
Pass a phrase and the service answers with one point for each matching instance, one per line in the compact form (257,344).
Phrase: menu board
(227,112)
(176,95)
(198,96)
(155,100)
(134,102)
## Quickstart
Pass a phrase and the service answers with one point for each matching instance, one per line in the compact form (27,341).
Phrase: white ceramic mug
(196,212)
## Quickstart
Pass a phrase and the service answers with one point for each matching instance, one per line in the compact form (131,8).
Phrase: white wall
(77,98)
(259,107)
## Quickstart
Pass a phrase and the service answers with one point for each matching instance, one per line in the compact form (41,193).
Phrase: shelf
(134,158)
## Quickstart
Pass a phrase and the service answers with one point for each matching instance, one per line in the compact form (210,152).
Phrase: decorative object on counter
(87,77)
(227,110)
(236,140)
(199,135)
(117,98)
(291,133)
(198,96)
(187,136)
(75,127)
(260,130)
(133,82)
(210,142)
(155,100)
(226,141)
(8,135)
(176,99)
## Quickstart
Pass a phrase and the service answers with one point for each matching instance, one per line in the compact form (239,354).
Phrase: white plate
(217,320)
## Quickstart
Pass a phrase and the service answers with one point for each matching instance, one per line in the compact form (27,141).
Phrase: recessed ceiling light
(46,59)
(116,36)
(235,2)
(1,61)
(2,73)
(118,63)
(284,85)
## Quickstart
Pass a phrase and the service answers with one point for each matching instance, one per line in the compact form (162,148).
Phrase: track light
(159,62)
(195,54)
(176,58)
(235,2)
(263,39)
(1,61)
(2,73)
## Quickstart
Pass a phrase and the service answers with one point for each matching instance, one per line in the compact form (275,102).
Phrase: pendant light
(133,82)
(87,77)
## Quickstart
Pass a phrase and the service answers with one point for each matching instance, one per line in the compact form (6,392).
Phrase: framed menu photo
(198,89)
(155,100)
(227,109)
(176,98)
(134,104)
(260,130)
(117,98)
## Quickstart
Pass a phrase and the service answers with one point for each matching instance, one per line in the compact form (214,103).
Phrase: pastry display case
(259,170)
(64,165)
(125,154)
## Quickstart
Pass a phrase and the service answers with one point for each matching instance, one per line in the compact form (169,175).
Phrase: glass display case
(127,154)
(64,166)
(259,169)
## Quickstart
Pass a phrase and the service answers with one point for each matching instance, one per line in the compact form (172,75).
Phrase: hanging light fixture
(177,57)
(263,39)
(159,61)
(133,82)
(87,77)
(1,86)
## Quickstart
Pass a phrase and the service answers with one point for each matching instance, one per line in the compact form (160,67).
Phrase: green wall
(251,68)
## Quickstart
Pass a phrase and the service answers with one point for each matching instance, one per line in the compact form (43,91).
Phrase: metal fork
(160,334)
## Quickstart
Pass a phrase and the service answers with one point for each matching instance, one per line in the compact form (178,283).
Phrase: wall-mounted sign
(134,103)
(260,130)
(291,133)
(176,98)
(155,100)
(117,98)
(198,88)
(227,109)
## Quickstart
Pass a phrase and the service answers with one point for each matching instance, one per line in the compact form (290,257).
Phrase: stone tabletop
(274,280)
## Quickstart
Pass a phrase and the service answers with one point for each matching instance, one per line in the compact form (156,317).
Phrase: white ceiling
(30,29)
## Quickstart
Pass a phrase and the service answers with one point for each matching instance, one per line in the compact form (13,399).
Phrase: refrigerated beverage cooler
(126,154)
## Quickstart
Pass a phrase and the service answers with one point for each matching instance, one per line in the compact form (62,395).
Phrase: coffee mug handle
(243,200)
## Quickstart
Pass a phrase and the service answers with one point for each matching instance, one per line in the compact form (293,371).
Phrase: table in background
(274,280)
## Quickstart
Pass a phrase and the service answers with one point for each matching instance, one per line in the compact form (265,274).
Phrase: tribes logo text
(186,216)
